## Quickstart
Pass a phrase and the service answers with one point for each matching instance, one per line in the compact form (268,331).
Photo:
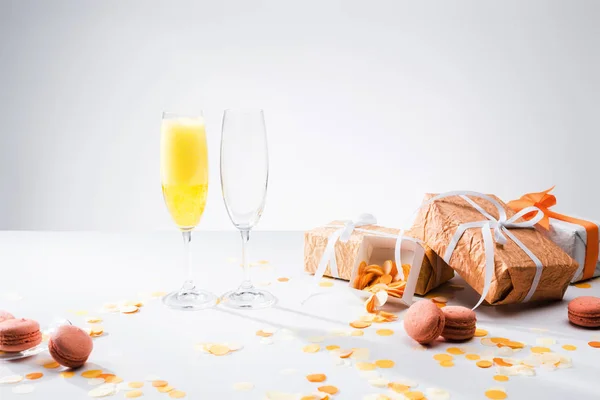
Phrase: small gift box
(577,237)
(346,241)
(496,251)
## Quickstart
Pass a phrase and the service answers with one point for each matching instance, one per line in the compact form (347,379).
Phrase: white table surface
(48,275)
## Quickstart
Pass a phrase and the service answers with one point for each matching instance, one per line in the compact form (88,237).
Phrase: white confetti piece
(108,389)
(266,340)
(24,388)
(11,379)
(95,381)
(243,386)
(234,346)
(379,382)
(437,394)
(288,371)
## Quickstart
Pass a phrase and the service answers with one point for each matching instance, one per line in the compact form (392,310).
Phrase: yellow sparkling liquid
(184,169)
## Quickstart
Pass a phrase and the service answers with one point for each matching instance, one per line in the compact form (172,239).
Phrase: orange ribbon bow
(544,200)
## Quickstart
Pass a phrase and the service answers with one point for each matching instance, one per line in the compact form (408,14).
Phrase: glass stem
(247,283)
(188,285)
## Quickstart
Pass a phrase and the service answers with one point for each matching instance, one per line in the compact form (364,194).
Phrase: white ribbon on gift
(343,234)
(500,228)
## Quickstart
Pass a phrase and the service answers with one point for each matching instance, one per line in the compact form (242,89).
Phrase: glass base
(248,298)
(190,300)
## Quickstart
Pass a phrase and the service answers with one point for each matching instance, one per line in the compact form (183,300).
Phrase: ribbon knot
(349,226)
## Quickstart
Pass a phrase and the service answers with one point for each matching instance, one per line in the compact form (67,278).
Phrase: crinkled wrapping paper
(514,271)
(433,272)
(572,238)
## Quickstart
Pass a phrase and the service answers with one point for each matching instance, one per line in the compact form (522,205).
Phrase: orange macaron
(70,346)
(460,323)
(19,334)
(424,321)
(585,311)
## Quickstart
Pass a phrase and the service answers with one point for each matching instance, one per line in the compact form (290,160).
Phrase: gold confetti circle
(67,374)
(159,383)
(495,394)
(480,332)
(135,385)
(484,364)
(501,378)
(165,389)
(316,377)
(455,350)
(539,350)
(328,389)
(385,363)
(582,285)
(283,279)
(332,347)
(311,348)
(416,395)
(176,394)
(326,284)
(472,357)
(357,332)
(443,357)
(133,394)
(384,332)
(91,373)
(398,387)
(447,363)
(365,366)
(34,375)
(569,347)
(52,365)
(360,324)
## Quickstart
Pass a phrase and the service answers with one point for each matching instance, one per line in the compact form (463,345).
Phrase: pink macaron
(424,321)
(585,311)
(460,323)
(70,346)
(4,315)
(19,334)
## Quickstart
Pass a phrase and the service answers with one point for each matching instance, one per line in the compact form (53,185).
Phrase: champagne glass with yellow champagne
(184,178)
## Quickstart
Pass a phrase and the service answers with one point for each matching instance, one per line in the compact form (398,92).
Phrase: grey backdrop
(369,104)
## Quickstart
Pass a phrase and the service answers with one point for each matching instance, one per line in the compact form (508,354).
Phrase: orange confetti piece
(595,345)
(455,350)
(114,379)
(501,378)
(135,385)
(165,389)
(219,350)
(159,383)
(443,357)
(447,363)
(472,357)
(385,363)
(384,332)
(360,324)
(582,285)
(484,364)
(176,394)
(539,350)
(495,394)
(499,340)
(311,348)
(512,345)
(52,365)
(67,374)
(332,347)
(91,373)
(133,394)
(499,361)
(34,375)
(365,366)
(263,334)
(328,389)
(283,279)
(316,377)
(416,395)
(480,332)
(398,387)
(569,347)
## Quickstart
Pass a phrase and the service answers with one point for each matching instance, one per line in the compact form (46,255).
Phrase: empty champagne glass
(184,178)
(244,178)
